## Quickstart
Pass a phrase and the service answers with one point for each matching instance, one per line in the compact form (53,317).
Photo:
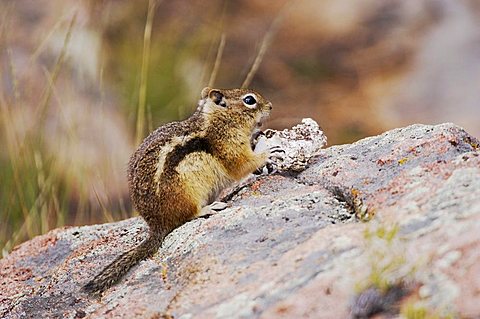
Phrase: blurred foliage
(38,197)
(69,101)
(39,192)
(178,61)
(35,196)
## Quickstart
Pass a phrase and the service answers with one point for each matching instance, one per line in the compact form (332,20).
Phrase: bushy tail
(120,266)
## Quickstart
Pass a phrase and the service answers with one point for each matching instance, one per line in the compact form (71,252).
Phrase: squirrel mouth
(254,139)
(256,132)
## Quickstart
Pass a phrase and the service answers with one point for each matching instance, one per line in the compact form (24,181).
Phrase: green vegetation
(35,196)
(38,191)
(390,271)
(386,259)
(414,310)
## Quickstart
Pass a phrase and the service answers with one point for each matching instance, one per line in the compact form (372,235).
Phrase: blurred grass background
(71,84)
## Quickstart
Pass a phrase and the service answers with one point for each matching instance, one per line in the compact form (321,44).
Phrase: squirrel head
(241,108)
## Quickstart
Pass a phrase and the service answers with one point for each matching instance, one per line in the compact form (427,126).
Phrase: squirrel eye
(249,100)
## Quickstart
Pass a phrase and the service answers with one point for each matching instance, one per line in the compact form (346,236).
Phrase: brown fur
(182,166)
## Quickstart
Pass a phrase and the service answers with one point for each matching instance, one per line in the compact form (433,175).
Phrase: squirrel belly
(183,166)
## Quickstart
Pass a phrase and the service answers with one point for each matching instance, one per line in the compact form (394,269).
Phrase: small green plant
(392,280)
(389,275)
(362,211)
(411,311)
(386,259)
(415,310)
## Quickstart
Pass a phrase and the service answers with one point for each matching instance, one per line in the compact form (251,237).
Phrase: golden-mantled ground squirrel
(182,166)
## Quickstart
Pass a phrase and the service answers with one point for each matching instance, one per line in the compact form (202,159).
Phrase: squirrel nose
(269,105)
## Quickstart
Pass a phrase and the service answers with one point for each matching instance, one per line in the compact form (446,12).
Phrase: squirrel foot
(212,209)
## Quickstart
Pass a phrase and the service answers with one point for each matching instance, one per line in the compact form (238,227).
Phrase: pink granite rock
(288,246)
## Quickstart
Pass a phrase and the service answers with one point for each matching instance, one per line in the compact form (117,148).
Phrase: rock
(298,145)
(288,246)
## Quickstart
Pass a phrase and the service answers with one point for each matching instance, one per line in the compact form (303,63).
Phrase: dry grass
(31,200)
(218,59)
(266,42)
(142,98)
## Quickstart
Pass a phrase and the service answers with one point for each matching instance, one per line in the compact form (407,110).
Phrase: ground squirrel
(182,166)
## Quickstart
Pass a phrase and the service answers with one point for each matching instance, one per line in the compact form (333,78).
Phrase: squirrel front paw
(274,152)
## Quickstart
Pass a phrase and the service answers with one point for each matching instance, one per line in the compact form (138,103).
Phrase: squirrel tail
(120,266)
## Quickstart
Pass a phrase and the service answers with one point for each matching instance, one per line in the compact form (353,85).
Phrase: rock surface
(288,246)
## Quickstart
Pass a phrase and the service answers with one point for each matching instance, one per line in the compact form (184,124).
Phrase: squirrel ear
(216,96)
(205,91)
